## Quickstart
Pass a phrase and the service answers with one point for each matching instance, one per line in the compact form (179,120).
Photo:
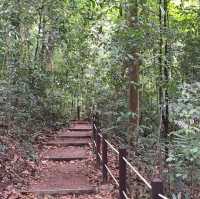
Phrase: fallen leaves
(15,168)
(16,172)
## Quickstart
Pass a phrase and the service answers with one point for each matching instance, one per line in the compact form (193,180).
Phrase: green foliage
(184,149)
(55,55)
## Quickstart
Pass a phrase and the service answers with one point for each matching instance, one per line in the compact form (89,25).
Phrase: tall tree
(163,71)
(133,72)
(166,80)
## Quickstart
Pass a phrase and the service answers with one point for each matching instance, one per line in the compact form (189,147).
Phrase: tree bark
(164,73)
(160,55)
(39,32)
(134,68)
(166,80)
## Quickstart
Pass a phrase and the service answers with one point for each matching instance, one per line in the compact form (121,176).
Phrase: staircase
(65,172)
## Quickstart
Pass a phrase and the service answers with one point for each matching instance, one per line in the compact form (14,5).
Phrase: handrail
(95,127)
(109,171)
(100,156)
(127,162)
(112,147)
(162,196)
(124,195)
(137,172)
(95,144)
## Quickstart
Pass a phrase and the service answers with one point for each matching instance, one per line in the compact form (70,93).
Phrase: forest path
(65,164)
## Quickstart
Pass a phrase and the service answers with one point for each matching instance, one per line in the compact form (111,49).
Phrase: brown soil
(72,176)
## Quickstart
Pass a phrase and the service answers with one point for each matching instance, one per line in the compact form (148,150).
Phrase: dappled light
(99,99)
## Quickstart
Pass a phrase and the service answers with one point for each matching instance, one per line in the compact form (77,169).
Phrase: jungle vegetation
(134,62)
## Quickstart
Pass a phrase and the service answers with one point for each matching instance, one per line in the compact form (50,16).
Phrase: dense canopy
(134,63)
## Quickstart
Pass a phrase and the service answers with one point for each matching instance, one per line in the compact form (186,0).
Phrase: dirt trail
(67,167)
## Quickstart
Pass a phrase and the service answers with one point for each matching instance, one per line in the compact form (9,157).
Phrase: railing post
(98,142)
(157,187)
(122,172)
(93,128)
(104,158)
(97,119)
(94,132)
(78,112)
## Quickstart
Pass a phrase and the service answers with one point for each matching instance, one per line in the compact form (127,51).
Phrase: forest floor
(22,178)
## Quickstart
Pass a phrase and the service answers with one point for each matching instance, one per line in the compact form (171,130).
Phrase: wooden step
(63,180)
(64,191)
(75,134)
(68,142)
(80,126)
(63,154)
(80,129)
(79,122)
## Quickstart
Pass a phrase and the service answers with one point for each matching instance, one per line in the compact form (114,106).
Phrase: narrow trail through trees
(67,169)
(64,171)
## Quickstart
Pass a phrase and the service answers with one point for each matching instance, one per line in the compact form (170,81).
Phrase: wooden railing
(101,145)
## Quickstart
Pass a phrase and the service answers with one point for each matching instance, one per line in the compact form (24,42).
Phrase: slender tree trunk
(39,32)
(166,80)
(134,68)
(17,22)
(43,41)
(164,73)
(50,50)
(160,54)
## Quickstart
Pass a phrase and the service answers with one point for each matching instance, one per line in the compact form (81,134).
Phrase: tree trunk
(166,80)
(134,68)
(164,74)
(39,32)
(160,55)
(50,50)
